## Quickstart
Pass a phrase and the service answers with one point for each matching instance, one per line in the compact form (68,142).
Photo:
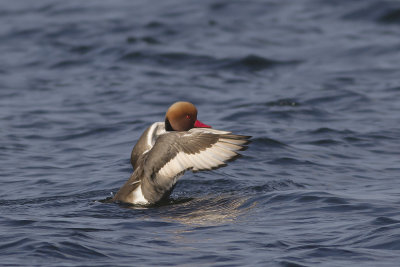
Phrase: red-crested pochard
(167,149)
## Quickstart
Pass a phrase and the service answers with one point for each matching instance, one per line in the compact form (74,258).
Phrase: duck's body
(162,155)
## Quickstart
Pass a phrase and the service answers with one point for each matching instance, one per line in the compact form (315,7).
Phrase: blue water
(316,83)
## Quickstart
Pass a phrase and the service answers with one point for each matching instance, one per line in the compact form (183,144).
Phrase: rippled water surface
(316,83)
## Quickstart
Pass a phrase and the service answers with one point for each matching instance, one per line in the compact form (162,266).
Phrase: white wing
(200,150)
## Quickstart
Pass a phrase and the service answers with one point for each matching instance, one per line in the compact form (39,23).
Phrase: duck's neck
(168,126)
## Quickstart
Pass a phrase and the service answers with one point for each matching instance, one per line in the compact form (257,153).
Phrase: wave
(269,142)
(387,12)
(250,63)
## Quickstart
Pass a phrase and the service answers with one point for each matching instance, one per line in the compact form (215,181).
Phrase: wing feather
(229,146)
(198,150)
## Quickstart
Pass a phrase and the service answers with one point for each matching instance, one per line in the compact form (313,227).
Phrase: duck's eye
(188,117)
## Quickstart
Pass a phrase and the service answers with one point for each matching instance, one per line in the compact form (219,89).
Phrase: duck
(166,150)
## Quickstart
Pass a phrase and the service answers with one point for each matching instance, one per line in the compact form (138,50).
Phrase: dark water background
(316,83)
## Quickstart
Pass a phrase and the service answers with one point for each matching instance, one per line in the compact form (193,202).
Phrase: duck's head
(182,116)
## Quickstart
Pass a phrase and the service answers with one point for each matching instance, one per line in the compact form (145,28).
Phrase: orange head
(182,116)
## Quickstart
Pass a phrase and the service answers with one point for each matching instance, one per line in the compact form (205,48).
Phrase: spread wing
(175,152)
(198,149)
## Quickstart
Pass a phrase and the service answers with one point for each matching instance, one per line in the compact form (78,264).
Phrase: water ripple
(247,63)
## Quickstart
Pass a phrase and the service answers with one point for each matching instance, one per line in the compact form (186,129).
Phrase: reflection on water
(207,211)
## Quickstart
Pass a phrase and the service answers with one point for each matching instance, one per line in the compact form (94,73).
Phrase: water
(316,83)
